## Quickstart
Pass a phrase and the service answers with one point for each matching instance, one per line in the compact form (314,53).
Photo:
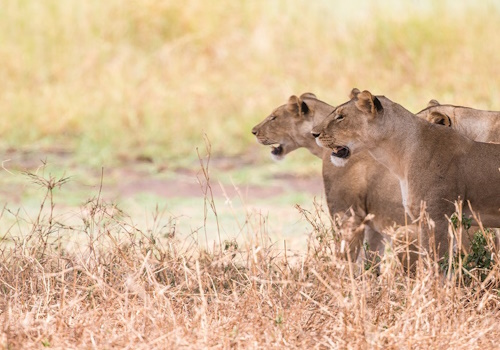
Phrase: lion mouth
(276,149)
(341,152)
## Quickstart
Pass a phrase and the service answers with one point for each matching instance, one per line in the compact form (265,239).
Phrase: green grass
(112,81)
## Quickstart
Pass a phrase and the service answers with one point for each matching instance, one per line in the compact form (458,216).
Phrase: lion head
(342,129)
(289,126)
(437,114)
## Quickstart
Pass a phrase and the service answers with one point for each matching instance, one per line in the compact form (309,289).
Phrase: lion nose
(254,131)
(315,133)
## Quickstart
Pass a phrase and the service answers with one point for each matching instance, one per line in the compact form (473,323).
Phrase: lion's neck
(475,127)
(316,150)
(395,140)
(310,141)
(313,147)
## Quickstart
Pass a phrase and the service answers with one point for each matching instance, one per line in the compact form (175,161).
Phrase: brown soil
(191,184)
(142,177)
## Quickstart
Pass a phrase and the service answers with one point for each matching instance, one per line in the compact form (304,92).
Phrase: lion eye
(273,117)
(339,117)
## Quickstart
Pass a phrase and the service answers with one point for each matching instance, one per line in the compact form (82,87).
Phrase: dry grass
(97,280)
(145,78)
(116,80)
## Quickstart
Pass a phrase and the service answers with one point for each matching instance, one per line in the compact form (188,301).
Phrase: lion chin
(340,155)
(338,162)
(277,152)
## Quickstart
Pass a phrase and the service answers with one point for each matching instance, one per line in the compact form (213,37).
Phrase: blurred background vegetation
(112,81)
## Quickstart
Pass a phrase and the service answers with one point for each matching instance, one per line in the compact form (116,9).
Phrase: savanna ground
(138,211)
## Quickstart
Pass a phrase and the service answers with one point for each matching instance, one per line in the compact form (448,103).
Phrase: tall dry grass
(117,80)
(97,280)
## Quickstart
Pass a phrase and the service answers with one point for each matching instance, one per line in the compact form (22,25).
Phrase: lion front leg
(435,229)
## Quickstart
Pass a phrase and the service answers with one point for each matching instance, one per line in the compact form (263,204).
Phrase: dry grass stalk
(123,286)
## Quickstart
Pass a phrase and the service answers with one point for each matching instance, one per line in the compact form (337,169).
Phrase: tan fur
(433,164)
(363,185)
(290,125)
(433,103)
(478,125)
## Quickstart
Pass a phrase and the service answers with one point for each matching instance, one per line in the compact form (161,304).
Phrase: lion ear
(354,93)
(368,104)
(304,106)
(293,104)
(439,118)
(297,106)
(308,95)
(433,103)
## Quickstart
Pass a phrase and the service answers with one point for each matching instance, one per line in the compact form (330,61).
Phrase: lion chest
(403,183)
(410,202)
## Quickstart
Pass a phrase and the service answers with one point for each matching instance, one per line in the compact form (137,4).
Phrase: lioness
(363,185)
(433,164)
(478,125)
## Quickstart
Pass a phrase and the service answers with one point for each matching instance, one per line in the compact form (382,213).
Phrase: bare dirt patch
(189,184)
(133,178)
